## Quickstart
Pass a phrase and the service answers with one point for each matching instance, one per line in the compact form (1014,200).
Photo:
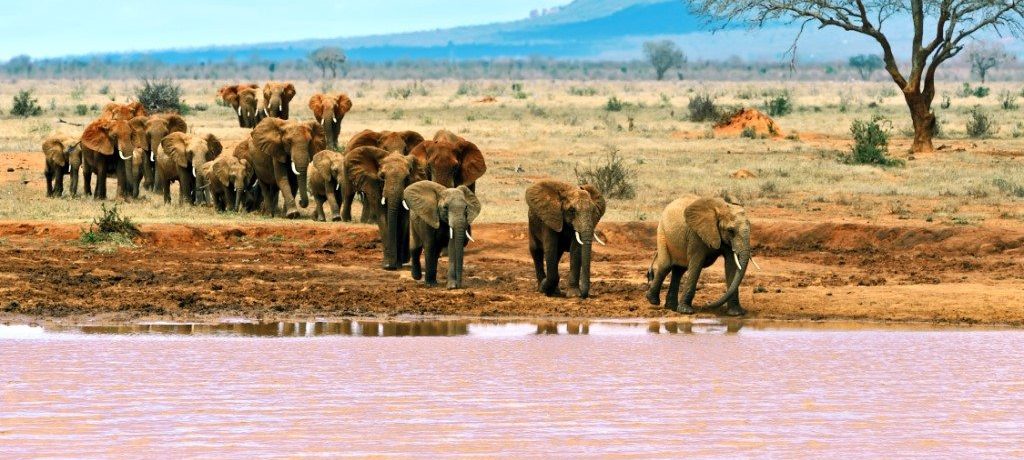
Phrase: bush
(967,91)
(582,91)
(467,89)
(1008,100)
(871,142)
(611,176)
(25,105)
(614,104)
(111,226)
(979,123)
(1008,187)
(779,105)
(81,109)
(702,108)
(159,96)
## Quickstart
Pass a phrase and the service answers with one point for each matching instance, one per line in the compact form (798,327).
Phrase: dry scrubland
(969,187)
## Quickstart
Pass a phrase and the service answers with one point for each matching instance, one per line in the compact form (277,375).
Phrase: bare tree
(328,57)
(664,55)
(985,55)
(940,30)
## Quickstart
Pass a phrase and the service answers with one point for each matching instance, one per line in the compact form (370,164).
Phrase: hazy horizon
(107,26)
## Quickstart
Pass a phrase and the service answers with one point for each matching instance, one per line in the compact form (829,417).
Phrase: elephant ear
(472,162)
(96,138)
(545,199)
(176,124)
(135,109)
(702,217)
(365,138)
(412,139)
(417,169)
(422,198)
(175,146)
(318,136)
(214,147)
(474,207)
(288,93)
(316,104)
(268,137)
(420,151)
(598,198)
(138,125)
(342,105)
(362,166)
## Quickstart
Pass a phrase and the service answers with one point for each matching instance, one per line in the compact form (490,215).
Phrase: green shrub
(110,226)
(967,91)
(467,89)
(979,123)
(610,175)
(517,91)
(1008,100)
(614,104)
(749,132)
(871,142)
(78,92)
(1008,187)
(702,108)
(780,105)
(81,109)
(160,96)
(25,105)
(582,91)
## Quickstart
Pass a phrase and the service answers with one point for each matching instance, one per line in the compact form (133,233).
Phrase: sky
(53,28)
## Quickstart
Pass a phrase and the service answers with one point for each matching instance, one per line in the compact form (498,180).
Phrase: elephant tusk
(69,167)
(323,121)
(470,236)
(335,120)
(152,156)
(294,169)
(405,205)
(737,259)
(194,172)
(578,240)
(265,113)
(598,239)
(451,233)
(280,108)
(122,156)
(383,201)
(239,111)
(755,263)
(337,186)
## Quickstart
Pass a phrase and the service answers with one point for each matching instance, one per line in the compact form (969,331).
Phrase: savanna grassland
(939,238)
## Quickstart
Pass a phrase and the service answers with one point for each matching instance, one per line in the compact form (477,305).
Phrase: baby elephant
(63,156)
(691,236)
(439,217)
(326,173)
(563,218)
(226,179)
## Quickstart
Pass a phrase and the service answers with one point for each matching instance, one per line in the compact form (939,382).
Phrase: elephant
(451,160)
(326,174)
(562,217)
(231,95)
(399,142)
(330,110)
(180,159)
(147,134)
(276,96)
(127,111)
(281,152)
(382,176)
(252,199)
(226,179)
(440,217)
(63,156)
(249,107)
(106,149)
(691,236)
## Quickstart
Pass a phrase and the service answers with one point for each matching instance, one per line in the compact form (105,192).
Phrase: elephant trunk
(73,171)
(239,190)
(392,234)
(742,254)
(456,250)
(585,269)
(300,167)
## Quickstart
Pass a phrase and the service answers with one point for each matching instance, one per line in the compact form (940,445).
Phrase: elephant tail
(650,269)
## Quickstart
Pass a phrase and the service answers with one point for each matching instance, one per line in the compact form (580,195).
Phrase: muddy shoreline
(812,271)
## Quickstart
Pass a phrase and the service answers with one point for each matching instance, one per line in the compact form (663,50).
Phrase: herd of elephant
(421,193)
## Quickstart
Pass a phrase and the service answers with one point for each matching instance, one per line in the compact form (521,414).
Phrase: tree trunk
(924,122)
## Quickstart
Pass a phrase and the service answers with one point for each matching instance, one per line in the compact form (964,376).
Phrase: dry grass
(558,125)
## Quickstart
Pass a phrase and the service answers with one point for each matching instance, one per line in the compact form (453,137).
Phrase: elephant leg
(672,300)
(58,187)
(225,199)
(165,186)
(431,256)
(87,180)
(184,186)
(575,263)
(332,199)
(689,285)
(318,209)
(537,251)
(147,173)
(49,181)
(417,249)
(265,201)
(733,307)
(347,195)
(284,182)
(551,255)
(124,187)
(74,182)
(101,178)
(660,270)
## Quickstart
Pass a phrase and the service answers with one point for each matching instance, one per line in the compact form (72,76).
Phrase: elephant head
(147,133)
(452,163)
(722,227)
(189,153)
(400,142)
(457,208)
(127,111)
(232,97)
(382,176)
(248,107)
(291,144)
(228,175)
(330,110)
(276,96)
(564,207)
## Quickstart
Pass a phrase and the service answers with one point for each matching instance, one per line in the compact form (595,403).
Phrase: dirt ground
(305,270)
